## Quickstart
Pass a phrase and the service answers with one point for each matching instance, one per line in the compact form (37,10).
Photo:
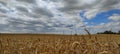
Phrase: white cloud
(113,26)
(115,17)
(91,13)
(101,6)
(3,20)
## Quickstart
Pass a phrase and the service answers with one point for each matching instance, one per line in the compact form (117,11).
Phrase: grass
(59,44)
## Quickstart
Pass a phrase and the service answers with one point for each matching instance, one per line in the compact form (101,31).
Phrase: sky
(59,16)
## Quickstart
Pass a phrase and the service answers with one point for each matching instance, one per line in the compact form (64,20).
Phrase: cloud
(92,7)
(117,6)
(34,16)
(70,5)
(101,6)
(3,20)
(43,11)
(115,17)
(2,3)
(113,26)
(22,9)
(91,13)
(3,8)
(27,1)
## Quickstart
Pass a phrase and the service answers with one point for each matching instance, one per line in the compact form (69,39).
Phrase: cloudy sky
(58,16)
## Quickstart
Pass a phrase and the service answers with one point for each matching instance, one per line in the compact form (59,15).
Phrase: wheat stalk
(0,44)
(88,32)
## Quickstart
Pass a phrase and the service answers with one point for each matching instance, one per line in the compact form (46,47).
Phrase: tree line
(109,32)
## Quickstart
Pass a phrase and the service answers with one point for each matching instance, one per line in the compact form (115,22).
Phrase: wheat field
(59,44)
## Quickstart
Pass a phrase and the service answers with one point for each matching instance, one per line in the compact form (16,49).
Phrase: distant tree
(75,34)
(107,32)
(118,32)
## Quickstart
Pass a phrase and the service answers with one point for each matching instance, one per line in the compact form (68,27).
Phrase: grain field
(59,44)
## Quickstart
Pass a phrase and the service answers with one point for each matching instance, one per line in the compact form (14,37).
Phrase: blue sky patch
(100,17)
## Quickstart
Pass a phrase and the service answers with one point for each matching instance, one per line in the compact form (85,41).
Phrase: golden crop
(59,44)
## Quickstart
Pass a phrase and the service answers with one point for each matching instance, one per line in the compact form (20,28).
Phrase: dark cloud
(13,21)
(71,5)
(22,9)
(3,3)
(71,2)
(27,1)
(3,7)
(52,0)
(108,3)
(3,10)
(43,11)
(19,25)
(33,15)
(2,27)
(36,12)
